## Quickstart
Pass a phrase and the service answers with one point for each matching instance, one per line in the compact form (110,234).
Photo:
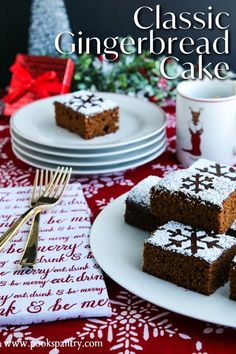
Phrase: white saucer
(90,162)
(139,120)
(90,170)
(85,154)
(118,249)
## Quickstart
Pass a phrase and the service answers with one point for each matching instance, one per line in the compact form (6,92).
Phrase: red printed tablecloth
(136,326)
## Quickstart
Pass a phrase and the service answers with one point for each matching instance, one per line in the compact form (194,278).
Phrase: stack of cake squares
(191,215)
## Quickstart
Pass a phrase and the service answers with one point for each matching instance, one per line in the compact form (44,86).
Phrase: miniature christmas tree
(48,18)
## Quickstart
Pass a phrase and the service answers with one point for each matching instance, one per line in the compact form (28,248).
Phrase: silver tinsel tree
(48,18)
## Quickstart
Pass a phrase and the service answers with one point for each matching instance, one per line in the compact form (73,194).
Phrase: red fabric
(136,325)
(35,77)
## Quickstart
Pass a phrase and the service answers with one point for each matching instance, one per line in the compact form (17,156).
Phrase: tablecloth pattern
(136,326)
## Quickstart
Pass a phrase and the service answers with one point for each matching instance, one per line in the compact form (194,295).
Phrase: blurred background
(105,18)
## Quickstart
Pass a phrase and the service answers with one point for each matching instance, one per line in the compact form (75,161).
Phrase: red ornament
(153,99)
(143,71)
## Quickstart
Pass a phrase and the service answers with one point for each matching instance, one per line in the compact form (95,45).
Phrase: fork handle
(29,256)
(7,236)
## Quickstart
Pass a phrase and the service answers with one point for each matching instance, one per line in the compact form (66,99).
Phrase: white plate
(139,120)
(99,161)
(85,154)
(118,249)
(93,170)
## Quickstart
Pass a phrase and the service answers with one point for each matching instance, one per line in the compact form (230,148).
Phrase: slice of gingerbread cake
(138,208)
(203,196)
(194,259)
(87,114)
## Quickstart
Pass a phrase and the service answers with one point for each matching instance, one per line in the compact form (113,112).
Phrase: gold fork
(29,256)
(50,197)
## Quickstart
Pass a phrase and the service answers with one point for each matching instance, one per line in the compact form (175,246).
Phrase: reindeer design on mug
(196,130)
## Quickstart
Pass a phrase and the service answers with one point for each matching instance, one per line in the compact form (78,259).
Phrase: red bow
(42,86)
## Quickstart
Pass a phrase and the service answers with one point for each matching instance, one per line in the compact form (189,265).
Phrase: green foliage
(137,75)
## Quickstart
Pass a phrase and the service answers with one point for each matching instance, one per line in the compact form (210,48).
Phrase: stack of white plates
(38,141)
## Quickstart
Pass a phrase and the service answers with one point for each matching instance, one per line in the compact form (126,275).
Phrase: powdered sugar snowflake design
(220,171)
(165,169)
(103,202)
(192,240)
(133,318)
(12,176)
(85,101)
(197,183)
(92,186)
(17,334)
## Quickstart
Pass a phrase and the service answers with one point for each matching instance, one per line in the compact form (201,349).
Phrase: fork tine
(41,182)
(41,203)
(49,177)
(35,185)
(46,179)
(63,184)
(52,181)
(51,191)
(59,183)
(51,174)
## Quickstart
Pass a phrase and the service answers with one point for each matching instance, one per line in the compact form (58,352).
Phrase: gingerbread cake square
(232,280)
(203,196)
(138,208)
(194,259)
(87,114)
